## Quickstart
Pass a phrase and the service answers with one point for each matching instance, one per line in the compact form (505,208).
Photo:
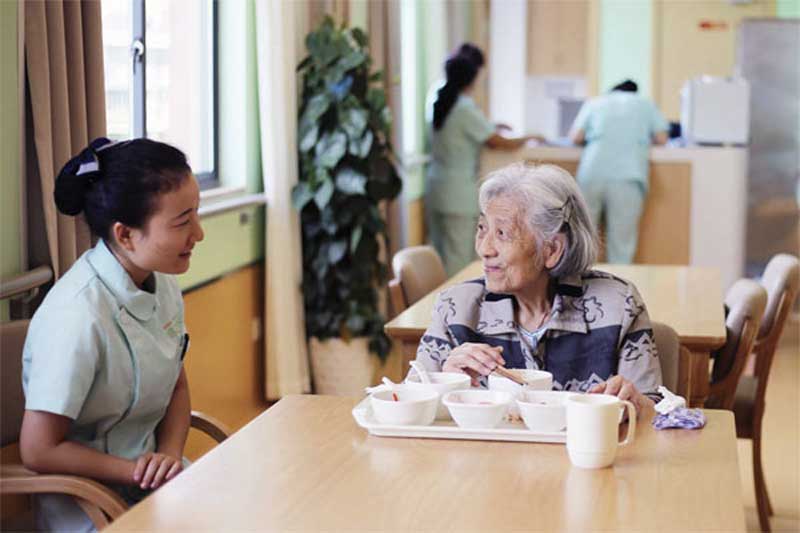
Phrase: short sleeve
(436,342)
(476,125)
(657,121)
(60,361)
(638,356)
(582,120)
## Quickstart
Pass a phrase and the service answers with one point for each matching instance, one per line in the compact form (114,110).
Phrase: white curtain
(285,342)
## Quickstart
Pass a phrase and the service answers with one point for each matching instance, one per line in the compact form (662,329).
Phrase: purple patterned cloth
(681,418)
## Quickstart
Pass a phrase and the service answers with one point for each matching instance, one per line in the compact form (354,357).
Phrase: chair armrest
(93,497)
(210,426)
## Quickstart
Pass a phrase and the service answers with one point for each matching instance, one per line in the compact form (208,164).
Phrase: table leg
(699,378)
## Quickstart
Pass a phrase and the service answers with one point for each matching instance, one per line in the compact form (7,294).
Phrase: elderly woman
(539,304)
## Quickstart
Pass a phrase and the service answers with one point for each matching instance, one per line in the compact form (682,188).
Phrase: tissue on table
(672,413)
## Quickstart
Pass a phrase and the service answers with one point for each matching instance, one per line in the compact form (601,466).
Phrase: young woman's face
(165,243)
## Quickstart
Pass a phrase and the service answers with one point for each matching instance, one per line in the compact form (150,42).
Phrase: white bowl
(477,408)
(544,410)
(441,383)
(537,379)
(412,407)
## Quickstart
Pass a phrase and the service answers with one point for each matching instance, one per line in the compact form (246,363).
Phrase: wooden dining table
(687,298)
(304,465)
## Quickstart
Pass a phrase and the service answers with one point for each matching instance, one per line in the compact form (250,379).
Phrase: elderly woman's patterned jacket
(598,328)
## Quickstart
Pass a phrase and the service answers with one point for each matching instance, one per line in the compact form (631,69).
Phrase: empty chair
(744,306)
(781,279)
(417,271)
(669,350)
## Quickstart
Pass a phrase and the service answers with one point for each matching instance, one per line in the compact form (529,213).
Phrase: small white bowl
(477,408)
(441,383)
(544,410)
(537,379)
(412,407)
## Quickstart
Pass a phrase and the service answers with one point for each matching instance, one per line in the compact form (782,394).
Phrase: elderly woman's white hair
(552,205)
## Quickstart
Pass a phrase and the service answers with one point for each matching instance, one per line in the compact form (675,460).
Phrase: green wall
(786,9)
(10,169)
(626,30)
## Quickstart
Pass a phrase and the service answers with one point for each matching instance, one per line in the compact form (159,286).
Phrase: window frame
(206,180)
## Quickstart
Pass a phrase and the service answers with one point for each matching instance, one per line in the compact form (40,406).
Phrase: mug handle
(631,423)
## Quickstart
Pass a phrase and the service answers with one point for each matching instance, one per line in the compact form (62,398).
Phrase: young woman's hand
(624,390)
(475,359)
(154,469)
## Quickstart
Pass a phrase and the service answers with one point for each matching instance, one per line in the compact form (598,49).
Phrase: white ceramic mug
(593,429)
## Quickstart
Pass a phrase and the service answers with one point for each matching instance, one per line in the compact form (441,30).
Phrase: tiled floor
(781,441)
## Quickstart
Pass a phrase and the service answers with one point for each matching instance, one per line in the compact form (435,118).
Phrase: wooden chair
(669,352)
(100,503)
(781,280)
(744,306)
(417,271)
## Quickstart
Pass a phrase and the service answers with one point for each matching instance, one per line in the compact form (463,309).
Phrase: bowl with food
(441,383)
(544,410)
(404,406)
(481,409)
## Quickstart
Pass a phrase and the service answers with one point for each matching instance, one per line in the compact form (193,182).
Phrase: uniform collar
(497,310)
(139,303)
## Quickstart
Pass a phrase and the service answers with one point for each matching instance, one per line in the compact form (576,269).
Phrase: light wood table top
(304,464)
(687,298)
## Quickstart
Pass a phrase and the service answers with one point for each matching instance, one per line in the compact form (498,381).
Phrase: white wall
(507,62)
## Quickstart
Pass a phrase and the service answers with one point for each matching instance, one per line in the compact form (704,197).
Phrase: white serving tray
(447,429)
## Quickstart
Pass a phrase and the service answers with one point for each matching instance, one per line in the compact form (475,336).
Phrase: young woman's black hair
(473,53)
(461,72)
(627,86)
(119,182)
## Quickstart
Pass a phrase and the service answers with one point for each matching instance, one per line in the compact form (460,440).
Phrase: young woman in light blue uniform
(106,395)
(618,129)
(459,133)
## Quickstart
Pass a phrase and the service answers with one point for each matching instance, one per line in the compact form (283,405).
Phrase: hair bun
(77,176)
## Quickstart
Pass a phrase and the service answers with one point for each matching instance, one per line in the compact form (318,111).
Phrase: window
(160,74)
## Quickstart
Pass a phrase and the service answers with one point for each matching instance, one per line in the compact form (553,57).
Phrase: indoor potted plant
(346,171)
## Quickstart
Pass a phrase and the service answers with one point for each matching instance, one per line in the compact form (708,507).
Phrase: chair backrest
(419,270)
(781,280)
(12,401)
(744,303)
(669,348)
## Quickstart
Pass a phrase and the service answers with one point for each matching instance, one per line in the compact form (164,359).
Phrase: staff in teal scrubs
(106,395)
(617,129)
(459,133)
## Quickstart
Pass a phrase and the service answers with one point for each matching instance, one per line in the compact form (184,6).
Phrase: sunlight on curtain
(286,366)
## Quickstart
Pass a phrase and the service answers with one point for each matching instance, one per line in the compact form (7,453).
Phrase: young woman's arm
(154,469)
(498,142)
(44,450)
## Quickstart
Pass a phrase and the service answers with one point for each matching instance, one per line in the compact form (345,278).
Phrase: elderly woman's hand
(475,359)
(624,390)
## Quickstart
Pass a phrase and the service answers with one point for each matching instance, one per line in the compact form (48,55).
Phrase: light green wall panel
(788,9)
(10,170)
(626,37)
(232,240)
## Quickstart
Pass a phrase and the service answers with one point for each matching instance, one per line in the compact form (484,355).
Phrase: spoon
(421,372)
(391,384)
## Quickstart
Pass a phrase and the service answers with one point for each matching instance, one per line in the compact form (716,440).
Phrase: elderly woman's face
(507,247)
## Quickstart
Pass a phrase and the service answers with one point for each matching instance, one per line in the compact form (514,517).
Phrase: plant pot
(342,368)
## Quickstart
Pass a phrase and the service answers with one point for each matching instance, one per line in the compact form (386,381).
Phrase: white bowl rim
(428,396)
(566,394)
(507,398)
(414,378)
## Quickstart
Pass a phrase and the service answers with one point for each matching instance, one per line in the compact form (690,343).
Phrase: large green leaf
(360,147)
(359,37)
(301,195)
(350,181)
(336,251)
(351,60)
(315,108)
(353,121)
(330,149)
(376,99)
(323,195)
(308,133)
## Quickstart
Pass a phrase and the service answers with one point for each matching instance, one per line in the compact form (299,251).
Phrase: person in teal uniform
(459,131)
(106,395)
(617,130)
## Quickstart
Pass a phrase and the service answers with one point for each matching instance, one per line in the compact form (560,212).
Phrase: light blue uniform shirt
(106,354)
(452,177)
(619,127)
